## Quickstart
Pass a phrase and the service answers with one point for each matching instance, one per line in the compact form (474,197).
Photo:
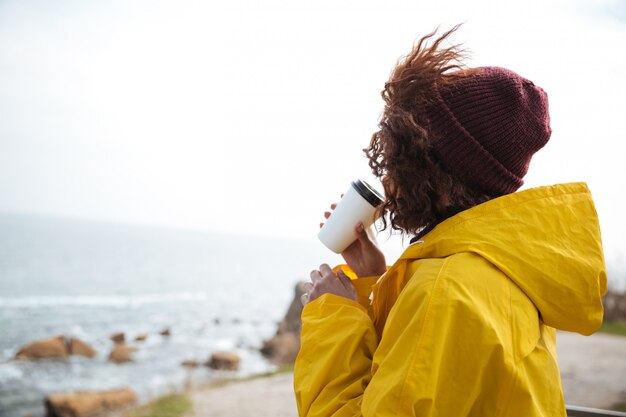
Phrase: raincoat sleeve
(333,367)
(362,285)
(428,362)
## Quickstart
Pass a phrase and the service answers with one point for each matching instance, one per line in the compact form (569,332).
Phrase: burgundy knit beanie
(486,125)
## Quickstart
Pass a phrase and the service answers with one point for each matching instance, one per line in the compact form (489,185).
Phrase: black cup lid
(368,192)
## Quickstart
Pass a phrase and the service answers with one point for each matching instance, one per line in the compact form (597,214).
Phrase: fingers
(324,281)
(315,276)
(343,278)
(365,236)
(328,213)
(318,275)
(304,298)
(362,233)
(347,283)
(326,270)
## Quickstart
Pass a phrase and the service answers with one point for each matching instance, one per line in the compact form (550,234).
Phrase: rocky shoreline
(280,349)
(592,368)
(96,402)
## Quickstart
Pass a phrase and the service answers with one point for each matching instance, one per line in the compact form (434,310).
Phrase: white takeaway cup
(358,205)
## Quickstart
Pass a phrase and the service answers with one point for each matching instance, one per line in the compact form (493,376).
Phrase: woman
(463,324)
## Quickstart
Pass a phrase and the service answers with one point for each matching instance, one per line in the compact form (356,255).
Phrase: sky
(251,116)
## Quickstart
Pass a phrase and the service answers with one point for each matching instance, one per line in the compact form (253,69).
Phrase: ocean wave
(99,300)
(9,371)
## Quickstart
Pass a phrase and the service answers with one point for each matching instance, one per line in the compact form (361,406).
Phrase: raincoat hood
(546,240)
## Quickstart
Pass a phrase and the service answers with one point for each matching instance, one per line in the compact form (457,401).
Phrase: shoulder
(456,277)
(460,288)
(468,290)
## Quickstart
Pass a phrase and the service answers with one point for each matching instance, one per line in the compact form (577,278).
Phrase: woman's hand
(363,256)
(324,281)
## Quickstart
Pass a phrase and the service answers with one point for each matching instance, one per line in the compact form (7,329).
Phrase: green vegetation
(614,327)
(225,381)
(282,369)
(174,405)
(619,407)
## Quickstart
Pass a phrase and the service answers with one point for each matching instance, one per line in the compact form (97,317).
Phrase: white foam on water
(99,300)
(9,371)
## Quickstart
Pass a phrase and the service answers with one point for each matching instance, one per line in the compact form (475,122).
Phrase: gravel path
(262,397)
(593,370)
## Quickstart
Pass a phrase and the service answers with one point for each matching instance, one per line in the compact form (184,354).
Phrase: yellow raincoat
(463,324)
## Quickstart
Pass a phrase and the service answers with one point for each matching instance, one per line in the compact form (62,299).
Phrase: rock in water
(190,363)
(226,361)
(141,337)
(78,347)
(120,353)
(88,403)
(118,337)
(54,347)
(284,346)
(292,322)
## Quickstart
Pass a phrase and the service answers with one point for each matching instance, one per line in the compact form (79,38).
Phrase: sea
(85,279)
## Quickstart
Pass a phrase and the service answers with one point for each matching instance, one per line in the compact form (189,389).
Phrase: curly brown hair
(419,192)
